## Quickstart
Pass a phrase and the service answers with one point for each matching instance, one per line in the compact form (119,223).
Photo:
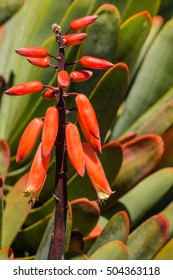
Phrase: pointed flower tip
(25,88)
(95,62)
(96,173)
(38,173)
(32,52)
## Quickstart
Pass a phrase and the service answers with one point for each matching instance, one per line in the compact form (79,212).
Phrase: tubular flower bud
(95,62)
(63,79)
(82,22)
(25,88)
(48,94)
(74,39)
(74,148)
(96,173)
(80,75)
(50,130)
(28,139)
(33,52)
(94,142)
(41,62)
(87,117)
(37,174)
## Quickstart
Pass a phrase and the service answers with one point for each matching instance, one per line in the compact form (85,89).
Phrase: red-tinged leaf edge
(127,138)
(164,225)
(5,150)
(8,252)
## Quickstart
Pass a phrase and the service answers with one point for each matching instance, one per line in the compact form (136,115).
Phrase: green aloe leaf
(147,194)
(133,33)
(150,113)
(148,238)
(120,4)
(16,211)
(166,253)
(111,88)
(4,158)
(152,125)
(44,247)
(85,215)
(133,7)
(157,23)
(147,89)
(113,250)
(6,254)
(29,239)
(141,155)
(117,228)
(111,158)
(8,8)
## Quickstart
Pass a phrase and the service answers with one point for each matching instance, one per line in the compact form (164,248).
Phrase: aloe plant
(133,104)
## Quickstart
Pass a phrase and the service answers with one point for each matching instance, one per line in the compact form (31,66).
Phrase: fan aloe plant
(132,101)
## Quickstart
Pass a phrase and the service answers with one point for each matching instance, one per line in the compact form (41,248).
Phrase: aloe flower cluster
(81,155)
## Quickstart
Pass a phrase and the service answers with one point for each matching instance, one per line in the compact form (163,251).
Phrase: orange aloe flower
(74,39)
(80,75)
(63,79)
(74,148)
(82,22)
(25,88)
(96,173)
(37,174)
(95,62)
(50,130)
(28,139)
(33,52)
(88,121)
(48,94)
(43,62)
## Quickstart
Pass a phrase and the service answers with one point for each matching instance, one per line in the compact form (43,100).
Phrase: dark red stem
(61,197)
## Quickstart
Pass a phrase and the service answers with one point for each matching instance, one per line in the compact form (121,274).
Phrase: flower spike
(96,173)
(80,75)
(74,39)
(28,139)
(50,130)
(41,62)
(33,52)
(82,22)
(74,148)
(26,88)
(95,62)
